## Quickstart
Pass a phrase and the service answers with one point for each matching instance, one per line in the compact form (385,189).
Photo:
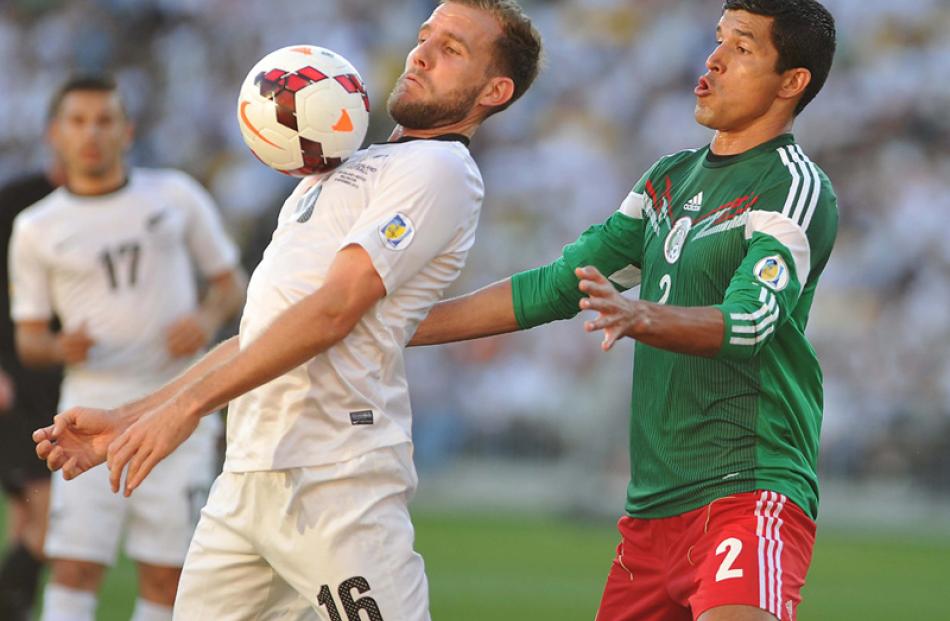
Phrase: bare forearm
(696,331)
(301,332)
(213,359)
(39,350)
(485,312)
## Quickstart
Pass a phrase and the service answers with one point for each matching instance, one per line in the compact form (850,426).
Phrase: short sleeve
(208,242)
(425,200)
(30,286)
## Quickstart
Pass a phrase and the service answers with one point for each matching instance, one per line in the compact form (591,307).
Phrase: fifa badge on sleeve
(397,232)
(772,272)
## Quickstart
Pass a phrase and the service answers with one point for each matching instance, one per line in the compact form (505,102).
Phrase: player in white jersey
(113,254)
(310,517)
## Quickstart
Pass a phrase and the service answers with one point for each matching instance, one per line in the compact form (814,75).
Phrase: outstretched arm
(79,438)
(697,331)
(485,312)
(544,294)
(309,327)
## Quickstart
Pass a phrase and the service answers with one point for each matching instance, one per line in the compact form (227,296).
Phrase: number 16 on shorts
(352,596)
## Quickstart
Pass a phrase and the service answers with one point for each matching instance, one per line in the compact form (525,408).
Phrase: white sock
(64,604)
(149,611)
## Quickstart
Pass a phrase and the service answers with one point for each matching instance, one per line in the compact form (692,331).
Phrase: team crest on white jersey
(772,272)
(397,233)
(307,203)
(673,247)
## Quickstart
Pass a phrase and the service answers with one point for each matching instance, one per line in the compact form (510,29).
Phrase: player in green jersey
(728,243)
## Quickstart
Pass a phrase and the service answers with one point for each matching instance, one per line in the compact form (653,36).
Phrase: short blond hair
(518,50)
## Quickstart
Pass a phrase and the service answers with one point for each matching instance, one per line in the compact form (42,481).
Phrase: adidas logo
(695,203)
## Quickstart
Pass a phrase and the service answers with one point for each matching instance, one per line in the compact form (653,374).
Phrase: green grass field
(520,568)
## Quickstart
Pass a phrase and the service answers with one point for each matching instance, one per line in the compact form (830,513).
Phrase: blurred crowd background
(615,95)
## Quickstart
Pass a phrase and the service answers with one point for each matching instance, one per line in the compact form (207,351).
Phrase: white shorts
(330,543)
(87,520)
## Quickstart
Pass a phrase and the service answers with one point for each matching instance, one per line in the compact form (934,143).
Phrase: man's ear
(794,83)
(497,92)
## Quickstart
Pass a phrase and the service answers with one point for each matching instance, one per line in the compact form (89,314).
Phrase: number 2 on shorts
(731,547)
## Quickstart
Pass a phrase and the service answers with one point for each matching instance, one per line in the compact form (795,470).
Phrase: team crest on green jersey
(673,247)
(772,272)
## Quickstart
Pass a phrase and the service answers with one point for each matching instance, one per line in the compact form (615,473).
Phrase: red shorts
(750,549)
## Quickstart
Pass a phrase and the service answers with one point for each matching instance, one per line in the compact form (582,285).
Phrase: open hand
(146,442)
(77,440)
(616,315)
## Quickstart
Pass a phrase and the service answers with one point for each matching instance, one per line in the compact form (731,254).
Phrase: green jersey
(749,235)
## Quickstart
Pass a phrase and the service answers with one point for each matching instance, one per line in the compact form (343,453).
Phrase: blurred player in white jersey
(113,254)
(310,518)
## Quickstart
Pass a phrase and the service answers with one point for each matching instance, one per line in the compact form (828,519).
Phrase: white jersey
(122,265)
(413,206)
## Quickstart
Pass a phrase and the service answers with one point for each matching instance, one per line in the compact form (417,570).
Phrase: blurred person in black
(27,398)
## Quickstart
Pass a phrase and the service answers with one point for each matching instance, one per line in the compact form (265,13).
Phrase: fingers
(602,322)
(61,423)
(56,458)
(599,304)
(118,455)
(140,467)
(590,273)
(71,469)
(43,434)
(43,449)
(46,449)
(611,332)
(612,327)
(132,450)
(601,293)
(597,289)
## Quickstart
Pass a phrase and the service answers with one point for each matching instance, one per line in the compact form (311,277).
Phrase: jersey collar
(711,160)
(109,192)
(442,137)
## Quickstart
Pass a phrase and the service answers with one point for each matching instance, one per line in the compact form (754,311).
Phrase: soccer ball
(303,110)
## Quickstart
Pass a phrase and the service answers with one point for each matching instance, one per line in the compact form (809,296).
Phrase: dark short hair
(517,50)
(803,32)
(97,82)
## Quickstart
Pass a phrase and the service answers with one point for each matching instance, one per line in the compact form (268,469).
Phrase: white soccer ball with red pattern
(303,110)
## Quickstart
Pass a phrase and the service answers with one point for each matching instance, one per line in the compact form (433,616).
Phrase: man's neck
(465,128)
(86,185)
(727,142)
